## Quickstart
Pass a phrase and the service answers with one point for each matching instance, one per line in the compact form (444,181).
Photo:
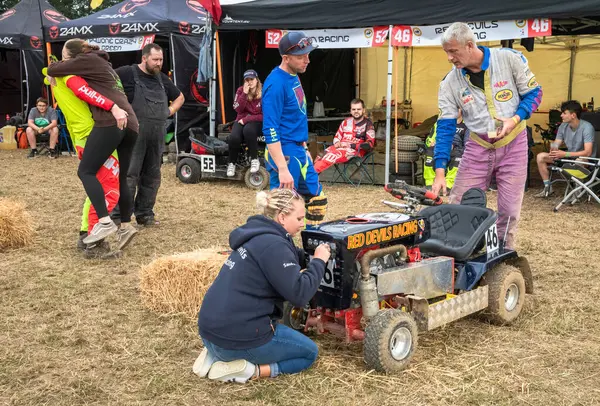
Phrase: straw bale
(177,283)
(16,225)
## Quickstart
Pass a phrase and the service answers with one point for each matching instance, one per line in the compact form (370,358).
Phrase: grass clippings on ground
(75,331)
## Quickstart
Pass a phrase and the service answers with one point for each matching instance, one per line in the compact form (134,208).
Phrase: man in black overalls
(149,92)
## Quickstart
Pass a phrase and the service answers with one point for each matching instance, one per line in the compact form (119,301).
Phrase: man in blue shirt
(285,127)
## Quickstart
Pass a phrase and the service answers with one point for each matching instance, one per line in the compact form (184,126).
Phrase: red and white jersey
(354,132)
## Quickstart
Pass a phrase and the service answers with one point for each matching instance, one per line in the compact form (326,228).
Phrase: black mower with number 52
(394,275)
(209,158)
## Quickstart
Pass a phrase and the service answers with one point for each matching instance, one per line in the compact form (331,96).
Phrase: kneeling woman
(248,123)
(238,317)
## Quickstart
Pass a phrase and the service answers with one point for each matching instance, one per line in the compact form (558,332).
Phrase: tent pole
(222,96)
(397,71)
(572,68)
(388,112)
(213,88)
(175,82)
(357,73)
(45,50)
(405,71)
(26,82)
(21,56)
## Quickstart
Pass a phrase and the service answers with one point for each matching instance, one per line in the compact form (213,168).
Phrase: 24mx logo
(6,41)
(64,31)
(139,27)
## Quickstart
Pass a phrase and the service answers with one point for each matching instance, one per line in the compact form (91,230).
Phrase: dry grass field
(74,331)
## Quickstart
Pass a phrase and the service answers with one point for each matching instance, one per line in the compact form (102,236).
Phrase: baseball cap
(295,43)
(250,73)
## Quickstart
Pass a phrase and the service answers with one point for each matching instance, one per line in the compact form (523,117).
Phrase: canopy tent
(182,22)
(134,18)
(21,55)
(567,17)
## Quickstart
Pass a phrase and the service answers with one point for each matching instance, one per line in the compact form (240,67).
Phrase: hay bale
(16,225)
(177,283)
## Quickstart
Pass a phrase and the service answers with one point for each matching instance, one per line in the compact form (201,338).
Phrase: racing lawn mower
(209,158)
(394,275)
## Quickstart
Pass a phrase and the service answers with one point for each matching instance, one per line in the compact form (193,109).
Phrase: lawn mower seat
(474,197)
(213,146)
(457,230)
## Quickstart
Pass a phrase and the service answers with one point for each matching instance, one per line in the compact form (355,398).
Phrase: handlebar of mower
(401,189)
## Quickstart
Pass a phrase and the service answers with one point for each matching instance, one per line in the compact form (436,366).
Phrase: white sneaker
(203,363)
(100,232)
(238,371)
(231,170)
(125,234)
(254,165)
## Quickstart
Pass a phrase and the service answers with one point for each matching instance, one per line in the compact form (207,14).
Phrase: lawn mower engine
(363,247)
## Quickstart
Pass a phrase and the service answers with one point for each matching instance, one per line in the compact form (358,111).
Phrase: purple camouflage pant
(509,165)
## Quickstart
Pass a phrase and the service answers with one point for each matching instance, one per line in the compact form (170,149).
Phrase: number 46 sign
(402,36)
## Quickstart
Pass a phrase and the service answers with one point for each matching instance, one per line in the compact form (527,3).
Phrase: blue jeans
(288,352)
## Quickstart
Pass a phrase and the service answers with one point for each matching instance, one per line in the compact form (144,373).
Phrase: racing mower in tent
(209,158)
(396,274)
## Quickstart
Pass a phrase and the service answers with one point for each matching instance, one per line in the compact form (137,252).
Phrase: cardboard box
(7,137)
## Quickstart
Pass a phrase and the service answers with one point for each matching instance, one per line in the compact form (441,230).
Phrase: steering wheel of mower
(402,190)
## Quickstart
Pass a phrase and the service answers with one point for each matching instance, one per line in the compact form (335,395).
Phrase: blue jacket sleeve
(529,103)
(282,270)
(446,125)
(273,99)
(446,128)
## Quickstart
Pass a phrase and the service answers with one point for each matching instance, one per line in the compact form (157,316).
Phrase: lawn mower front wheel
(390,341)
(188,170)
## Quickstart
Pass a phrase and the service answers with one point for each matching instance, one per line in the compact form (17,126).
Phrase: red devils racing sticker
(184,27)
(53,31)
(114,28)
(35,42)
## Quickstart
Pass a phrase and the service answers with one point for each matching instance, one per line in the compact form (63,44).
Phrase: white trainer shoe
(254,165)
(231,170)
(238,371)
(100,232)
(203,363)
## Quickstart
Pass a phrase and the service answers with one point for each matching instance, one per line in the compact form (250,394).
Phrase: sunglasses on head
(295,195)
(303,43)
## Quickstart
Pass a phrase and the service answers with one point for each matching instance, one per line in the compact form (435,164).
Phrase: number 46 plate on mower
(492,242)
(207,163)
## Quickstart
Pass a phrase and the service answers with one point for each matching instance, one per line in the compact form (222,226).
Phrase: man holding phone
(578,136)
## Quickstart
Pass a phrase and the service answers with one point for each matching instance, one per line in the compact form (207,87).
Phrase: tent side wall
(330,74)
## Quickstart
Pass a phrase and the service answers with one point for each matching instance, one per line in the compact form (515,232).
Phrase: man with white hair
(496,92)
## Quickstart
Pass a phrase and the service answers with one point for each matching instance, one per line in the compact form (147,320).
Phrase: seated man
(578,136)
(458,146)
(355,137)
(42,119)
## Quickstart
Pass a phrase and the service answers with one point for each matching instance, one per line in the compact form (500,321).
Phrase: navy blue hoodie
(260,274)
